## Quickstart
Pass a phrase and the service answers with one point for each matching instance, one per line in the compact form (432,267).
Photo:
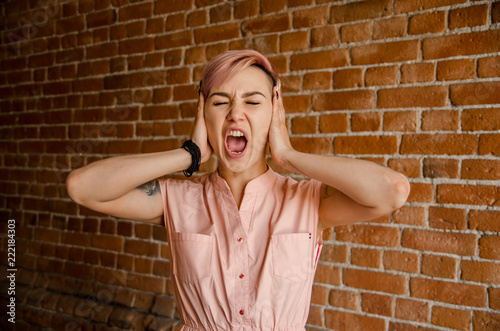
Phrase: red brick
(435,144)
(337,320)
(170,6)
(73,24)
(344,100)
(140,247)
(373,235)
(401,261)
(312,145)
(344,299)
(377,304)
(158,145)
(451,318)
(481,272)
(494,296)
(488,66)
(175,22)
(268,44)
(409,215)
(488,195)
(456,69)
(461,44)
(365,145)
(146,283)
(408,167)
(417,72)
(356,32)
(440,120)
(447,218)
(400,121)
(431,22)
(333,123)
(220,13)
(445,242)
(485,321)
(267,24)
(495,12)
(358,11)
(319,295)
(56,88)
(294,41)
(133,12)
(405,6)
(318,81)
(134,46)
(327,274)
(108,242)
(305,18)
(365,122)
(176,39)
(319,60)
(324,36)
(397,51)
(377,76)
(468,17)
(426,96)
(365,257)
(301,125)
(272,6)
(244,9)
(393,27)
(412,310)
(480,169)
(487,119)
(297,104)
(489,144)
(489,248)
(449,292)
(484,220)
(440,168)
(101,18)
(216,33)
(374,281)
(123,147)
(315,316)
(347,78)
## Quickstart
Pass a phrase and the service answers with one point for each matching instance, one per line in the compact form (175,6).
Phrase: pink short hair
(229,63)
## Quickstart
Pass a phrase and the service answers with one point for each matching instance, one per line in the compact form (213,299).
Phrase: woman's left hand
(279,141)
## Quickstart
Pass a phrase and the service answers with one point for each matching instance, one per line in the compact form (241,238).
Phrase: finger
(201,104)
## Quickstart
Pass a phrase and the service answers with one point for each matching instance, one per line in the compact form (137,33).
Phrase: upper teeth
(235,133)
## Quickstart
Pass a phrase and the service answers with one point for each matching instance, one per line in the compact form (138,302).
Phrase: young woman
(244,240)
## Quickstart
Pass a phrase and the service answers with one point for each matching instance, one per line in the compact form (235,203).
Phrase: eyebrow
(245,95)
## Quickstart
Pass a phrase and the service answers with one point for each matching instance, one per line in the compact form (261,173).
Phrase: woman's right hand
(199,132)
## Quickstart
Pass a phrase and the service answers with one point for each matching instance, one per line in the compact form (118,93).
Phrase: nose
(235,113)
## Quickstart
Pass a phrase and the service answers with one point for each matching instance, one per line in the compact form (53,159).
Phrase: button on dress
(248,268)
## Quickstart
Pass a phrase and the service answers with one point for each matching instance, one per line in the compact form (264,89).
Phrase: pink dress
(246,269)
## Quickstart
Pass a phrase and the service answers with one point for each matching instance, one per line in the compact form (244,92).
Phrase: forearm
(365,182)
(111,178)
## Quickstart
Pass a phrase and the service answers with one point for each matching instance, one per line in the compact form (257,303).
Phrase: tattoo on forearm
(151,187)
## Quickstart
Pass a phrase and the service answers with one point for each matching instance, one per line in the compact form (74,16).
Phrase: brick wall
(411,84)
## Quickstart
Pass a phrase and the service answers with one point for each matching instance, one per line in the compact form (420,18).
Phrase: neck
(237,181)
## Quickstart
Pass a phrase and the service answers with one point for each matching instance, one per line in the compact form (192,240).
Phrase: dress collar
(260,183)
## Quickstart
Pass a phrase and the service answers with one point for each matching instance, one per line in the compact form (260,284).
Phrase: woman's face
(238,114)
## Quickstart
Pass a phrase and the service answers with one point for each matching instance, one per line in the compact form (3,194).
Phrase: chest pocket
(292,256)
(192,256)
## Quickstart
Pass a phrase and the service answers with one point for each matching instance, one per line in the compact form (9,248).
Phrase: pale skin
(352,191)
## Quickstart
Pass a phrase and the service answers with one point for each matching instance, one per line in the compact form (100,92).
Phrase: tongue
(236,144)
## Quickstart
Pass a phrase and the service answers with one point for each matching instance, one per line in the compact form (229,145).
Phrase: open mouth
(236,143)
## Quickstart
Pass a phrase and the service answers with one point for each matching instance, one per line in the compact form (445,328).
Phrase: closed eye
(220,103)
(253,103)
